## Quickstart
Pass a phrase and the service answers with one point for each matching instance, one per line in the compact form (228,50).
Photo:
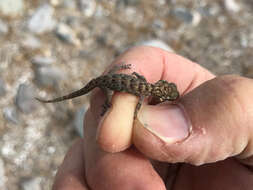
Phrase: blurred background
(51,47)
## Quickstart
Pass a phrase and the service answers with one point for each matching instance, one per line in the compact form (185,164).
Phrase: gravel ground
(49,48)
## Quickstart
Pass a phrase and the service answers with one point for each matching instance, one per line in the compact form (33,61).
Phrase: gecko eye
(173,96)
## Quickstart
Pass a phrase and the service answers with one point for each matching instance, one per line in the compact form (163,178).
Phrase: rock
(11,7)
(2,175)
(156,43)
(65,33)
(48,76)
(42,61)
(248,71)
(3,28)
(42,20)
(128,2)
(87,7)
(69,4)
(158,24)
(232,5)
(31,183)
(55,2)
(182,14)
(196,18)
(78,121)
(31,42)
(25,100)
(2,88)
(11,115)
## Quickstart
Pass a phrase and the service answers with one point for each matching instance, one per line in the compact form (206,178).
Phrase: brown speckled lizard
(134,84)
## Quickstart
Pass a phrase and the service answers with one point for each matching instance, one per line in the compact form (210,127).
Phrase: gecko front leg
(138,106)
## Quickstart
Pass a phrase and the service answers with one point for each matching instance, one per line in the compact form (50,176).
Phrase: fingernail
(168,122)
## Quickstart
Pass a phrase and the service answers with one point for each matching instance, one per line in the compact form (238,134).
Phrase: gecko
(134,83)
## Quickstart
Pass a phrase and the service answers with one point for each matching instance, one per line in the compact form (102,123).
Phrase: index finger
(115,129)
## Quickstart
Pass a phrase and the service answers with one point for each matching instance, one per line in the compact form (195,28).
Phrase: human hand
(211,129)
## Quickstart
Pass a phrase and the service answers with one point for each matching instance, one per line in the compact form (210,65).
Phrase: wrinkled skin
(209,132)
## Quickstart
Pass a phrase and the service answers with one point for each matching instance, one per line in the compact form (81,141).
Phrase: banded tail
(87,88)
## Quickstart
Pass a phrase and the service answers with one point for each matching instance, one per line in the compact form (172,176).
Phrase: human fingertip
(115,128)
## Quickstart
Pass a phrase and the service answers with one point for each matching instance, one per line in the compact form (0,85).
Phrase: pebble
(3,28)
(47,76)
(78,121)
(196,18)
(248,71)
(232,5)
(25,98)
(11,7)
(87,7)
(69,4)
(128,2)
(2,88)
(157,43)
(42,61)
(42,20)
(65,33)
(2,175)
(55,2)
(31,183)
(182,14)
(31,42)
(11,115)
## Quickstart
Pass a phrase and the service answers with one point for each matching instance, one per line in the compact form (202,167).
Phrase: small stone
(25,100)
(128,2)
(31,42)
(48,76)
(2,88)
(54,2)
(11,7)
(2,175)
(203,11)
(248,71)
(232,5)
(196,18)
(87,7)
(31,183)
(11,115)
(42,61)
(78,121)
(42,20)
(157,43)
(69,4)
(3,28)
(65,33)
(158,24)
(182,14)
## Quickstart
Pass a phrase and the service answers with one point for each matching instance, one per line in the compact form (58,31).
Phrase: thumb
(211,123)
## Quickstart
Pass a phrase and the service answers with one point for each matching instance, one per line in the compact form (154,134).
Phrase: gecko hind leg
(108,100)
(116,68)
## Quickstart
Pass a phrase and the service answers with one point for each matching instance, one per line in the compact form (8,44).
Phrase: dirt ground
(50,47)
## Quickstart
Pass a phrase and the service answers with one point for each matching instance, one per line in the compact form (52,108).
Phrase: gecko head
(165,91)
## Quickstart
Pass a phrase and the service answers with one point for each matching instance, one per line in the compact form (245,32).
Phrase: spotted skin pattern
(134,83)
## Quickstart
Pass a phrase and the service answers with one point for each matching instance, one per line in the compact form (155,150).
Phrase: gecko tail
(50,101)
(66,97)
(72,95)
